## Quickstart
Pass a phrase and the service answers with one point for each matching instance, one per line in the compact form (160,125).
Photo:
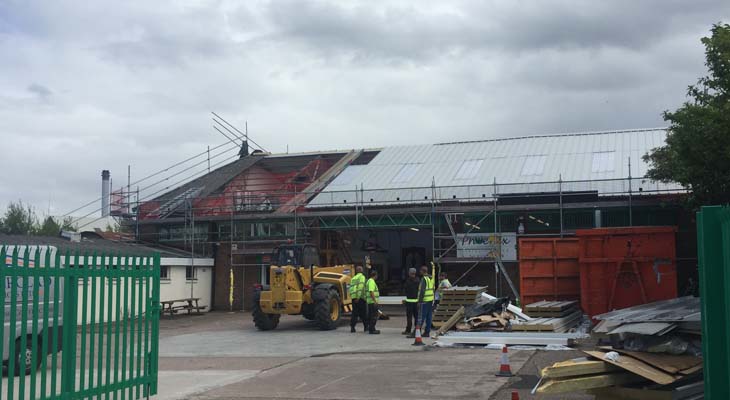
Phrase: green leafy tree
(49,227)
(697,150)
(20,219)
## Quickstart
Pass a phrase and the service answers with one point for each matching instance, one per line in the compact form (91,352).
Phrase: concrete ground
(222,356)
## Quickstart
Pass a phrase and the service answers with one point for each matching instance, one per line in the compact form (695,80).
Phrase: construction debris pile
(654,352)
(480,318)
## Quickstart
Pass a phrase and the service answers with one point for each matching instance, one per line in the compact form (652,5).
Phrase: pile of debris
(654,352)
(490,320)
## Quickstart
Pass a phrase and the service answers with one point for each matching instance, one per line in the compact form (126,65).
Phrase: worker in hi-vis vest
(358,295)
(425,301)
(373,298)
(411,302)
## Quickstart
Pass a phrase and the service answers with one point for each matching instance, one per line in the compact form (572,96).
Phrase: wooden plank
(637,367)
(459,315)
(567,385)
(690,371)
(583,367)
(669,363)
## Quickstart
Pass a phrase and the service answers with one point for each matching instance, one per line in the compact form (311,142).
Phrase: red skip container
(549,269)
(624,267)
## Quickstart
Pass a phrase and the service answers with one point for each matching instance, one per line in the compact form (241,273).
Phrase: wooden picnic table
(190,304)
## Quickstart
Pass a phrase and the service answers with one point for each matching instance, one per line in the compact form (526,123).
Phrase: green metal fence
(78,326)
(713,248)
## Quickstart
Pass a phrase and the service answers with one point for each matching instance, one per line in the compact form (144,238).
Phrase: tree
(68,224)
(49,227)
(19,219)
(697,150)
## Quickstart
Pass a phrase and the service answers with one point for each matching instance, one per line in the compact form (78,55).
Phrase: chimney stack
(105,188)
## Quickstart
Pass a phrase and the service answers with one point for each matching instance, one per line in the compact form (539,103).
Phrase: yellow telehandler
(297,285)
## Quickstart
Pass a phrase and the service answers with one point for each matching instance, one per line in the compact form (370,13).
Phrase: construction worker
(411,302)
(372,300)
(443,284)
(358,294)
(425,301)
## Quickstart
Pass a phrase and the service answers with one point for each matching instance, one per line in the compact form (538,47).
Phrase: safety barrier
(78,326)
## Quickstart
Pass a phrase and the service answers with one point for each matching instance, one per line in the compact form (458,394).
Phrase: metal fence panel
(95,316)
(713,248)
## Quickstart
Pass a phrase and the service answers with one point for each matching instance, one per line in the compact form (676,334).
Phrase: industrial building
(462,205)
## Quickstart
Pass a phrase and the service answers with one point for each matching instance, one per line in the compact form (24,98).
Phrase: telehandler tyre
(262,320)
(327,310)
(308,311)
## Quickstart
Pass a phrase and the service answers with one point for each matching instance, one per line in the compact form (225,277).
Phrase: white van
(47,288)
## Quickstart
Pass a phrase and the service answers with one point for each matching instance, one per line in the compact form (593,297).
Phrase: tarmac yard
(222,356)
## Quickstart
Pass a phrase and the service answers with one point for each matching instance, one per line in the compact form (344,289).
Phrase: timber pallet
(452,300)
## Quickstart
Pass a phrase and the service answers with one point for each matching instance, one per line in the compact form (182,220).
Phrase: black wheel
(327,310)
(308,311)
(262,320)
(24,358)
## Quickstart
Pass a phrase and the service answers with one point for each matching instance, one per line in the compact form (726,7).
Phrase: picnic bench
(174,306)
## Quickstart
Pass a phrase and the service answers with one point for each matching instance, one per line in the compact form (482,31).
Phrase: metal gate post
(713,251)
(155,315)
(68,355)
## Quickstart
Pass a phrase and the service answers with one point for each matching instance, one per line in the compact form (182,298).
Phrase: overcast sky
(93,85)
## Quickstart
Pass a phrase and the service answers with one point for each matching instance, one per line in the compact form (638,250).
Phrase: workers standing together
(358,294)
(372,301)
(420,294)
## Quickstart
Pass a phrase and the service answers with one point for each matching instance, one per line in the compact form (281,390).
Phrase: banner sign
(487,245)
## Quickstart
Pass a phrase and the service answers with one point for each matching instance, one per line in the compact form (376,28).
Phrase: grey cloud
(39,90)
(412,32)
(133,83)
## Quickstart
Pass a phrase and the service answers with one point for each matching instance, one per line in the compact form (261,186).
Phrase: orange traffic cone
(419,340)
(504,368)
(515,395)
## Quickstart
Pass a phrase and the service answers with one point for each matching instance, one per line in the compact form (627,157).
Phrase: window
(468,169)
(603,161)
(534,165)
(191,273)
(164,272)
(406,173)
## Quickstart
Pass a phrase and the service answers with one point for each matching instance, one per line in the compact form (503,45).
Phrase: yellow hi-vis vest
(357,286)
(373,287)
(428,294)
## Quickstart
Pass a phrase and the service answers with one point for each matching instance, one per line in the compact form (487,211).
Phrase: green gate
(713,250)
(78,326)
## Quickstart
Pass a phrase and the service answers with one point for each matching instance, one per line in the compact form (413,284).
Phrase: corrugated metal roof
(404,174)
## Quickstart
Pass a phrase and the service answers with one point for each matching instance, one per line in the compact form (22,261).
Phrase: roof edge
(563,134)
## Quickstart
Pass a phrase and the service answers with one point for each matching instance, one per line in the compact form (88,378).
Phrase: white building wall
(177,287)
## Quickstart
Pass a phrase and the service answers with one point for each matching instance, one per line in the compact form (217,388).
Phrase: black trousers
(411,316)
(373,315)
(359,310)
